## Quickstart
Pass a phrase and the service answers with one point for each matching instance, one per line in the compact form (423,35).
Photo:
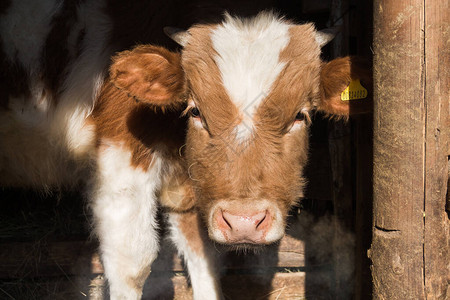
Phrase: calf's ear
(150,74)
(346,87)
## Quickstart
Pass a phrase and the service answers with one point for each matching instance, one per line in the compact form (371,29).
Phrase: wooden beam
(399,153)
(437,122)
(31,259)
(410,120)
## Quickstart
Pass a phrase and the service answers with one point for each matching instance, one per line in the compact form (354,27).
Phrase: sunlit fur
(249,63)
(73,110)
(265,172)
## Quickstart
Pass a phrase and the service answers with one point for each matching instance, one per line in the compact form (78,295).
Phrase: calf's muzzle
(234,224)
(243,228)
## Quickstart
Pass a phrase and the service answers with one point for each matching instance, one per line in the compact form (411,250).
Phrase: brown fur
(205,83)
(119,117)
(297,86)
(191,226)
(335,77)
(137,282)
(150,74)
(270,165)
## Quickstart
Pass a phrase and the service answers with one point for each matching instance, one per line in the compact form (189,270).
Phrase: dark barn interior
(46,251)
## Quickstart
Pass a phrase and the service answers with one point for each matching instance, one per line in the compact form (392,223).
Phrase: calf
(220,129)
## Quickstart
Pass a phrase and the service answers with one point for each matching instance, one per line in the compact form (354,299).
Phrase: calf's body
(220,129)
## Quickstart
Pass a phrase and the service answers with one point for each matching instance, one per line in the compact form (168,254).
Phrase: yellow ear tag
(354,91)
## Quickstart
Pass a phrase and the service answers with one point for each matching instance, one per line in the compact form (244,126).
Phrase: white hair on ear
(179,36)
(325,36)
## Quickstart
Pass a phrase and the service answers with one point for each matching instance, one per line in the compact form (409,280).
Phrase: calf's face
(249,87)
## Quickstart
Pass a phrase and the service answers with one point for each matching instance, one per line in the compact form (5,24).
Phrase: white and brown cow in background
(220,128)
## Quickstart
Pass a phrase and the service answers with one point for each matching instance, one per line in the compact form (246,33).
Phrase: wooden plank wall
(71,269)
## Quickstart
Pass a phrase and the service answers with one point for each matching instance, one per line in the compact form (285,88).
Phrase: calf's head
(250,86)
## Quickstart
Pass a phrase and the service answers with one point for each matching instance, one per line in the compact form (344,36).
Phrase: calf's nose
(243,227)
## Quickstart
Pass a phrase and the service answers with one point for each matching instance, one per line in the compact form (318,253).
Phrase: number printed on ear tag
(354,91)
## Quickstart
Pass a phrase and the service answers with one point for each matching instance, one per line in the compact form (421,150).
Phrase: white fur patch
(244,130)
(248,59)
(124,207)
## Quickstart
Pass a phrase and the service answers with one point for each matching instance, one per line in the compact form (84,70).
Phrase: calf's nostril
(223,222)
(226,221)
(261,222)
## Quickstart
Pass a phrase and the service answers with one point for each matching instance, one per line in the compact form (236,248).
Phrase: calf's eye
(300,116)
(194,112)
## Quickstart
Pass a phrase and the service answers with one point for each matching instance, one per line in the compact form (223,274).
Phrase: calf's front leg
(124,205)
(189,236)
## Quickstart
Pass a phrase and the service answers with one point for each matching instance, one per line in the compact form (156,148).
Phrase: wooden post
(410,241)
(437,126)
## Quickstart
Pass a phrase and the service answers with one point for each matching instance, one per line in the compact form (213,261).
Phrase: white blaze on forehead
(248,53)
